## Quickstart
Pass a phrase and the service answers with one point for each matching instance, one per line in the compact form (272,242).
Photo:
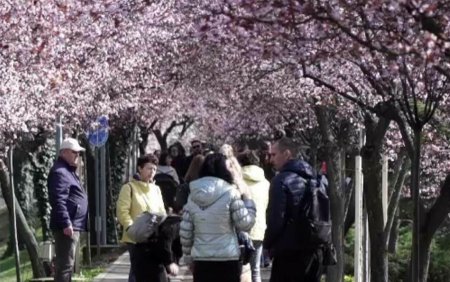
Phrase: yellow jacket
(143,197)
(258,187)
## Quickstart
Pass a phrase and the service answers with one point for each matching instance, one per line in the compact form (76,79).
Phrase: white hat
(71,144)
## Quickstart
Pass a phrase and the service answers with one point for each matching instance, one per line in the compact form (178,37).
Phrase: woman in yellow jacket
(258,188)
(139,195)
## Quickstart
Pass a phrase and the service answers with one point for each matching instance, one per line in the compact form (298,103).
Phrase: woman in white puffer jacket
(212,216)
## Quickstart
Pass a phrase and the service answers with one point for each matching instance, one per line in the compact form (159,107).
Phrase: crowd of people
(210,197)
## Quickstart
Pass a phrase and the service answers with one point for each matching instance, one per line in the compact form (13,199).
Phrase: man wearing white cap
(69,205)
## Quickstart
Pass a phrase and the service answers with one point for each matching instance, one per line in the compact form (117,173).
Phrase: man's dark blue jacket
(67,198)
(286,190)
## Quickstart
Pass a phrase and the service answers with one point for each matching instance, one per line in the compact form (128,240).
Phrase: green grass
(8,267)
(90,273)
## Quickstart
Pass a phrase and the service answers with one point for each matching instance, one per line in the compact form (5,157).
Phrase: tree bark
(416,269)
(432,220)
(371,153)
(400,170)
(144,140)
(23,228)
(350,216)
(162,139)
(335,158)
(393,236)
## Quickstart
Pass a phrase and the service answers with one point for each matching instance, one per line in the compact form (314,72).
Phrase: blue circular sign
(98,133)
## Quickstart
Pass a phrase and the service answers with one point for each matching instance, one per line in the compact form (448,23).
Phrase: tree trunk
(371,154)
(23,228)
(335,158)
(144,140)
(393,237)
(372,191)
(162,139)
(336,273)
(401,167)
(350,215)
(418,216)
(433,219)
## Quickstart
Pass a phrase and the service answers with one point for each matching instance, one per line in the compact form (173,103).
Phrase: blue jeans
(255,261)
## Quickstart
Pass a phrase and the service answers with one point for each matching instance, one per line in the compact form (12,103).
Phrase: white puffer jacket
(212,215)
(258,187)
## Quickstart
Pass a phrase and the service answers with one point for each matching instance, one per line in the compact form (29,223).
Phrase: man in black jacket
(293,261)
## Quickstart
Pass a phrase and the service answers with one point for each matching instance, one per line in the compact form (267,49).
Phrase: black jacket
(286,191)
(159,247)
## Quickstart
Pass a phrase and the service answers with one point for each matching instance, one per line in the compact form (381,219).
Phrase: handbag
(246,247)
(144,226)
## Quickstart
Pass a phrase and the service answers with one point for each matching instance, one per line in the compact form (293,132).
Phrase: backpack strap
(131,194)
(131,190)
(144,197)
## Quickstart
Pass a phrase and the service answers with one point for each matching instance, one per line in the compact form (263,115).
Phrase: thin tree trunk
(161,139)
(144,140)
(350,215)
(393,236)
(400,170)
(416,267)
(336,166)
(23,228)
(372,191)
(371,153)
(433,219)
(336,273)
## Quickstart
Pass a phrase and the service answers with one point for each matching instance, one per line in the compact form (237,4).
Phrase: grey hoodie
(212,216)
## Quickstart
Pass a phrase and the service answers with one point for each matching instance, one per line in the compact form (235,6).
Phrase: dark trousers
(217,271)
(303,267)
(131,248)
(65,247)
(145,266)
(176,249)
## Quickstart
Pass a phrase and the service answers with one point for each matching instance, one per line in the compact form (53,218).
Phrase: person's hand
(245,197)
(242,187)
(172,269)
(68,231)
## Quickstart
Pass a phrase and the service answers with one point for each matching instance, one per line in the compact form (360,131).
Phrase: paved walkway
(118,272)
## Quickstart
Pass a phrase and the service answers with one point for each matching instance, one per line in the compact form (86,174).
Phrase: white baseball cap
(71,144)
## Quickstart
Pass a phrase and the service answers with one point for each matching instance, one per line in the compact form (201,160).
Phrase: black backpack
(314,220)
(181,197)
(314,214)
(168,188)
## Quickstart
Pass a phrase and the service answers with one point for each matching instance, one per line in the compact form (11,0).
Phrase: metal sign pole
(97,136)
(358,220)
(98,227)
(58,134)
(102,183)
(384,187)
